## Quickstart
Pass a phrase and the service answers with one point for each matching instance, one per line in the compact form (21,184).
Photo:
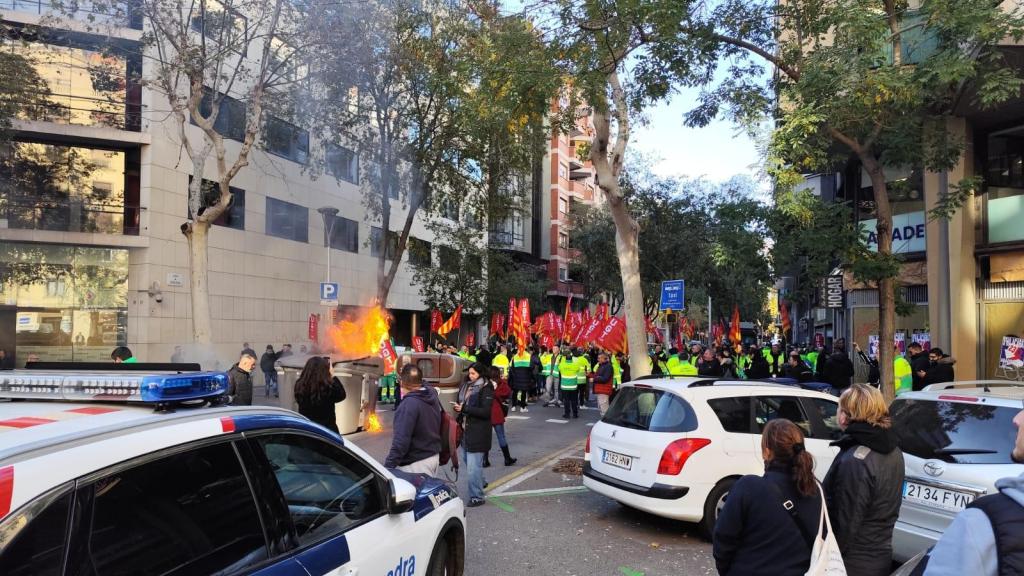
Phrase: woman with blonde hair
(864,486)
(753,534)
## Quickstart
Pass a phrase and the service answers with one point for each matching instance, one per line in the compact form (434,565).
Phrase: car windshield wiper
(958,451)
(631,424)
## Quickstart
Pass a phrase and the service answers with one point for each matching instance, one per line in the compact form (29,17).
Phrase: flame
(360,334)
(373,423)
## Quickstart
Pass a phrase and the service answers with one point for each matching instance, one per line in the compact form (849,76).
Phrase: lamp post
(328,214)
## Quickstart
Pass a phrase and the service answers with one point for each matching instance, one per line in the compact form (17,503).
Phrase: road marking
(517,417)
(518,477)
(544,491)
(503,505)
(630,572)
(557,421)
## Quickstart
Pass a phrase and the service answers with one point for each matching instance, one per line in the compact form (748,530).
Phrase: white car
(674,447)
(956,440)
(113,473)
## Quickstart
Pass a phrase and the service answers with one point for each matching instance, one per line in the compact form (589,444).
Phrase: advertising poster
(873,346)
(1011,353)
(923,338)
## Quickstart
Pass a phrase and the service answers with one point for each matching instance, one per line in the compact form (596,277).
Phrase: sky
(716,152)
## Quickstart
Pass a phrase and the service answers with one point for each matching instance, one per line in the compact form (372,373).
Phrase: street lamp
(329,215)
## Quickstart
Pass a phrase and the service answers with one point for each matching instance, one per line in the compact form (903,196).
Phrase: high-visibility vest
(812,360)
(467,356)
(555,361)
(521,360)
(681,368)
(500,362)
(616,371)
(584,367)
(569,369)
(904,375)
(673,365)
(693,360)
(545,364)
(662,364)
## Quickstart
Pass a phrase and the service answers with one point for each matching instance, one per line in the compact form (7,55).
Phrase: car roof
(1003,392)
(723,386)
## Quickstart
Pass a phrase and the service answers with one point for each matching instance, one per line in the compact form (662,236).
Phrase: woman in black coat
(476,396)
(317,391)
(755,534)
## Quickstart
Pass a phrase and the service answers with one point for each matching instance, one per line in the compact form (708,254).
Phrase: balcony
(581,173)
(114,13)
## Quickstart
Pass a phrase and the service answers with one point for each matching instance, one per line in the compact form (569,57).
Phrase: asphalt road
(538,521)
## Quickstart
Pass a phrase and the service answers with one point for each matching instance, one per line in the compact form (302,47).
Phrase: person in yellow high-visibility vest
(551,363)
(500,361)
(616,371)
(679,365)
(521,379)
(903,373)
(569,370)
(583,361)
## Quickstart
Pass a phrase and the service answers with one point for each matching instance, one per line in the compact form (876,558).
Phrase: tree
(458,277)
(22,92)
(442,122)
(876,79)
(508,278)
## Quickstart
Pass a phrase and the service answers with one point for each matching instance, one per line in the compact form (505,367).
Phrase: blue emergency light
(127,387)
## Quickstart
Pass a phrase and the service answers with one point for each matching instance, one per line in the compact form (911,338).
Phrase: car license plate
(935,497)
(617,460)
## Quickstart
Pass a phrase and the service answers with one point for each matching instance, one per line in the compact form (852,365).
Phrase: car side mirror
(401,496)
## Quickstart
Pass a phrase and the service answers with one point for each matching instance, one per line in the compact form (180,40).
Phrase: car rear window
(651,409)
(955,432)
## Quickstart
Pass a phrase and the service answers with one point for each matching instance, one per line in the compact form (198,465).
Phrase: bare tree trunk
(886,286)
(198,234)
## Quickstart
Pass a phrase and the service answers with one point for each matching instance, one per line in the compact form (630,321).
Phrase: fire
(373,423)
(360,334)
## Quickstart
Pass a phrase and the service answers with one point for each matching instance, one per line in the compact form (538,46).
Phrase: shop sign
(832,294)
(908,233)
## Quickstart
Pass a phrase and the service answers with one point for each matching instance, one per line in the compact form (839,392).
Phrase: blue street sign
(672,294)
(328,293)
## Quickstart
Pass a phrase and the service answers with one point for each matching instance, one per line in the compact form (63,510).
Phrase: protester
(269,372)
(659,361)
(796,369)
(758,365)
(919,364)
(874,374)
(902,374)
(708,365)
(940,368)
(317,390)
(122,354)
(521,379)
(476,399)
(569,385)
(624,366)
(725,360)
(416,441)
(776,360)
(864,486)
(502,393)
(501,361)
(248,349)
(839,368)
(755,533)
(984,539)
(551,363)
(584,368)
(536,369)
(603,382)
(240,380)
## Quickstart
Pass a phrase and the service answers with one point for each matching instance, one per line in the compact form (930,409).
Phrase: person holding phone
(476,397)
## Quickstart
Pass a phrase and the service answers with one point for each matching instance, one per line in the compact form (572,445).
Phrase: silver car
(956,439)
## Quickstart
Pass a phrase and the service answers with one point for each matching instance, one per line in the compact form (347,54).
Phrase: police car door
(338,507)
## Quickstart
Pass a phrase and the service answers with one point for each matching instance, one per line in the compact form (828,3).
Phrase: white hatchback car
(674,447)
(956,440)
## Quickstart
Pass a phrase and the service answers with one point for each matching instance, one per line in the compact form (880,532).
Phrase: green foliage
(457,276)
(509,278)
(22,91)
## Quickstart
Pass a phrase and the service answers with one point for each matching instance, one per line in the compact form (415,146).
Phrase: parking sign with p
(328,293)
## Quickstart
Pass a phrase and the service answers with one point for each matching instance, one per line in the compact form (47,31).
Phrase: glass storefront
(62,303)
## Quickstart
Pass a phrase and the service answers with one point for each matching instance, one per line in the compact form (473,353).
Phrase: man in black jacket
(416,443)
(269,373)
(918,364)
(839,368)
(940,368)
(708,365)
(240,380)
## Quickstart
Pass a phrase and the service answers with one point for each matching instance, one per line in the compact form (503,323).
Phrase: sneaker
(525,409)
(474,502)
(515,408)
(575,415)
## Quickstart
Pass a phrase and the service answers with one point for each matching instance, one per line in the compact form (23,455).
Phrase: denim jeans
(270,376)
(475,465)
(499,431)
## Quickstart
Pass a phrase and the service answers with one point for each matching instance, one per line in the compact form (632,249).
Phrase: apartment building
(93,194)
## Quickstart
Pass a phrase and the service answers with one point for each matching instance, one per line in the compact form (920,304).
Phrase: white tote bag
(826,559)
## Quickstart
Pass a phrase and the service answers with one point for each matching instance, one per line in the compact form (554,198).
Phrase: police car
(118,473)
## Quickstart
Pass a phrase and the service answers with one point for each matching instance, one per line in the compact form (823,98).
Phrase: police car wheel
(440,563)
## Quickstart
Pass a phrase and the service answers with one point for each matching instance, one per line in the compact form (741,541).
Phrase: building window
(563,206)
(450,209)
(909,218)
(231,119)
(563,241)
(563,274)
(65,188)
(110,12)
(343,163)
(419,252)
(286,140)
(448,258)
(563,171)
(234,216)
(287,220)
(85,85)
(221,24)
(345,235)
(1004,179)
(376,241)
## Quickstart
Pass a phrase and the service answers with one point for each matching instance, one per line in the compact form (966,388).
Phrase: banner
(510,324)
(923,338)
(314,326)
(452,323)
(602,311)
(1011,353)
(418,345)
(547,341)
(589,332)
(900,340)
(495,328)
(613,335)
(470,339)
(565,319)
(586,315)
(435,320)
(574,327)
(652,330)
(387,354)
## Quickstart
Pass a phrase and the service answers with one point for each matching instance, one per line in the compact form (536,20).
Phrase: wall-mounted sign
(908,233)
(175,280)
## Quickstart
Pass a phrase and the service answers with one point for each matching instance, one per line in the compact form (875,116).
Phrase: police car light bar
(154,388)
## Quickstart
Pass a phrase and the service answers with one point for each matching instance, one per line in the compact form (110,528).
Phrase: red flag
(470,339)
(435,320)
(784,312)
(510,325)
(522,332)
(653,330)
(677,337)
(602,311)
(613,335)
(452,323)
(586,316)
(589,333)
(495,327)
(735,335)
(417,344)
(387,354)
(565,320)
(547,341)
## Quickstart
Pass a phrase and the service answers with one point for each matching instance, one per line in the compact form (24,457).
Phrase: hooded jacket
(239,386)
(417,428)
(864,491)
(968,546)
(919,363)
(477,402)
(939,372)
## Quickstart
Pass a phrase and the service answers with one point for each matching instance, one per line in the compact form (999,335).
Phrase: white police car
(95,481)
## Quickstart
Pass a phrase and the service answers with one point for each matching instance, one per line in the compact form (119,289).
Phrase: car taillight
(676,454)
(587,449)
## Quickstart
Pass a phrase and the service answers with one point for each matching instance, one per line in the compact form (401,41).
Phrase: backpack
(451,439)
